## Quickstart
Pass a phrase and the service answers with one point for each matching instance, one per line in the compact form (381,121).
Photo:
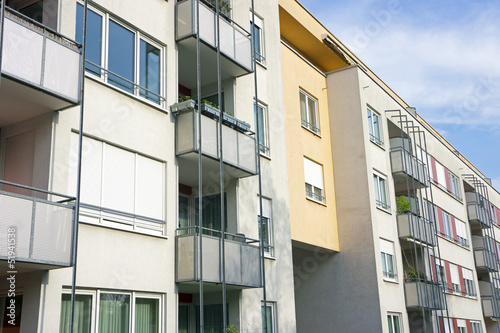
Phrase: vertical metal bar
(32,232)
(79,166)
(222,244)
(257,152)
(200,166)
(2,26)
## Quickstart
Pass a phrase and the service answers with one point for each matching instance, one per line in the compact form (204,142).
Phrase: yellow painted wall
(312,223)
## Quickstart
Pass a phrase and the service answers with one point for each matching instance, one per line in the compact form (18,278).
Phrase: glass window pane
(146,315)
(377,190)
(114,313)
(384,264)
(83,313)
(257,42)
(389,322)
(93,40)
(149,71)
(370,123)
(121,57)
(183,214)
(303,108)
(183,319)
(396,324)
(312,112)
(269,314)
(376,131)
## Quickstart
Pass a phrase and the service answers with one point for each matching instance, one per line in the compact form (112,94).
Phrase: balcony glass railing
(485,259)
(235,41)
(404,162)
(42,223)
(242,257)
(423,294)
(411,226)
(478,214)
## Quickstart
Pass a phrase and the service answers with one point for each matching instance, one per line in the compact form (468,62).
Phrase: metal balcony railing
(403,161)
(242,257)
(42,223)
(485,259)
(423,294)
(478,214)
(416,227)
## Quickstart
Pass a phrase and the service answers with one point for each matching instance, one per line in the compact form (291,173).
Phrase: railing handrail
(38,190)
(135,85)
(196,228)
(121,213)
(17,15)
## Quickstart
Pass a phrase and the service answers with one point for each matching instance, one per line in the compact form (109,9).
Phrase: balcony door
(211,214)
(19,161)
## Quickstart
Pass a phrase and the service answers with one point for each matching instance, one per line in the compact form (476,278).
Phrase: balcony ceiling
(19,101)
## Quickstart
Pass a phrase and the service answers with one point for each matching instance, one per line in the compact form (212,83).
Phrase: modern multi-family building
(417,223)
(108,138)
(205,166)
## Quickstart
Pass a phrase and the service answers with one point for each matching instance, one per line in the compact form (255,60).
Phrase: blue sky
(441,57)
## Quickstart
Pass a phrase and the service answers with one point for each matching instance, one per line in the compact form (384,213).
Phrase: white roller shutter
(149,187)
(313,173)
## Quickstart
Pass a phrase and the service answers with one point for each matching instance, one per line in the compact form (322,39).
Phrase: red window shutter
(455,325)
(448,276)
(447,176)
(461,277)
(469,326)
(441,324)
(434,169)
(440,219)
(453,227)
(497,214)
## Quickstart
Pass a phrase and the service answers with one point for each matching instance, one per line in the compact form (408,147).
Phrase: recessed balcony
(235,44)
(42,224)
(40,70)
(239,151)
(407,169)
(491,307)
(242,258)
(413,227)
(423,294)
(485,260)
(478,214)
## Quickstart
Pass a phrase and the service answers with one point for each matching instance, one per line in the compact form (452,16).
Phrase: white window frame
(96,296)
(468,278)
(259,23)
(448,231)
(272,306)
(138,36)
(313,191)
(461,233)
(476,327)
(494,217)
(267,212)
(462,326)
(372,125)
(455,279)
(264,148)
(387,255)
(381,189)
(306,123)
(392,317)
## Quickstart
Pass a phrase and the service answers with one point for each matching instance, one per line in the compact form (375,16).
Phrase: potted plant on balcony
(210,109)
(402,204)
(232,329)
(183,104)
(224,6)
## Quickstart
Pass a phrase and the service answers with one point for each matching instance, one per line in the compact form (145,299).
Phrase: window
(314,180)
(462,326)
(258,38)
(447,225)
(394,322)
(381,191)
(120,56)
(266,234)
(454,188)
(269,312)
(475,327)
(117,181)
(441,272)
(263,129)
(309,112)
(455,279)
(113,313)
(461,233)
(493,214)
(388,263)
(468,278)
(374,127)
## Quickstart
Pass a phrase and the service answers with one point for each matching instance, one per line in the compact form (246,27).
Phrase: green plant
(185,98)
(402,204)
(232,329)
(223,5)
(210,103)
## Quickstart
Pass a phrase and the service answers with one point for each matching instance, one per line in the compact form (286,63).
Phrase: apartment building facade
(416,220)
(183,204)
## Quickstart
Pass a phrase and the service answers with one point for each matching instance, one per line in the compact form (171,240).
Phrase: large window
(112,312)
(394,323)
(447,225)
(263,134)
(380,184)
(117,181)
(269,313)
(314,180)
(121,56)
(309,112)
(374,127)
(258,38)
(266,234)
(468,278)
(388,261)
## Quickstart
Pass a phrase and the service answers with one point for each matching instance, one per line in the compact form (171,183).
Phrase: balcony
(236,46)
(478,214)
(423,294)
(485,260)
(491,307)
(242,258)
(404,165)
(411,226)
(42,224)
(40,70)
(239,151)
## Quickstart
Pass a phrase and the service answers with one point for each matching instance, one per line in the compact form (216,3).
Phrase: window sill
(270,257)
(316,201)
(261,64)
(107,226)
(385,210)
(445,190)
(266,156)
(381,146)
(310,130)
(453,241)
(137,98)
(389,280)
